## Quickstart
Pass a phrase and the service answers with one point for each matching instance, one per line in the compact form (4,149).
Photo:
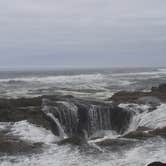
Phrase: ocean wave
(29,132)
(148,152)
(149,73)
(162,70)
(142,154)
(52,79)
(154,119)
(145,118)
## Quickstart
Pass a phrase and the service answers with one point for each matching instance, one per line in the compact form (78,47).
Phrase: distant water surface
(91,83)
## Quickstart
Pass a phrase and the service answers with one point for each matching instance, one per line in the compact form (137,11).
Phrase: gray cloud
(82,32)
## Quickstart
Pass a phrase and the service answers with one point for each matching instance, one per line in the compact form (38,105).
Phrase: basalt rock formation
(66,116)
(14,110)
(138,134)
(71,116)
(73,119)
(156,95)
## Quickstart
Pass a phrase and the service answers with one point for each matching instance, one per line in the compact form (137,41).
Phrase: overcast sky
(82,33)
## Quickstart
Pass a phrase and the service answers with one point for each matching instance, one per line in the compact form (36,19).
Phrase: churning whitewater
(59,118)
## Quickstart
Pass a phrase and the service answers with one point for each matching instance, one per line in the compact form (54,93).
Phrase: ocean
(85,84)
(91,83)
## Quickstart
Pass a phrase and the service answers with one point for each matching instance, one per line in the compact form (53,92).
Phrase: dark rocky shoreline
(156,94)
(31,109)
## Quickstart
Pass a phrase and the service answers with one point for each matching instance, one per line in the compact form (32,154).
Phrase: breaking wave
(145,118)
(29,132)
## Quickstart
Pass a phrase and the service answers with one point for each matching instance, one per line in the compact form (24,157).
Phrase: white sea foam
(154,119)
(98,85)
(4,125)
(32,133)
(152,150)
(84,84)
(54,155)
(58,79)
(105,134)
(140,155)
(145,118)
(84,81)
(163,70)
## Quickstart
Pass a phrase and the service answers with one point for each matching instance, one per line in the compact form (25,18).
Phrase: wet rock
(143,128)
(153,97)
(84,117)
(14,110)
(20,102)
(127,97)
(117,145)
(13,145)
(113,142)
(161,88)
(153,102)
(157,164)
(120,119)
(31,114)
(159,132)
(76,116)
(73,141)
(141,134)
(138,135)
